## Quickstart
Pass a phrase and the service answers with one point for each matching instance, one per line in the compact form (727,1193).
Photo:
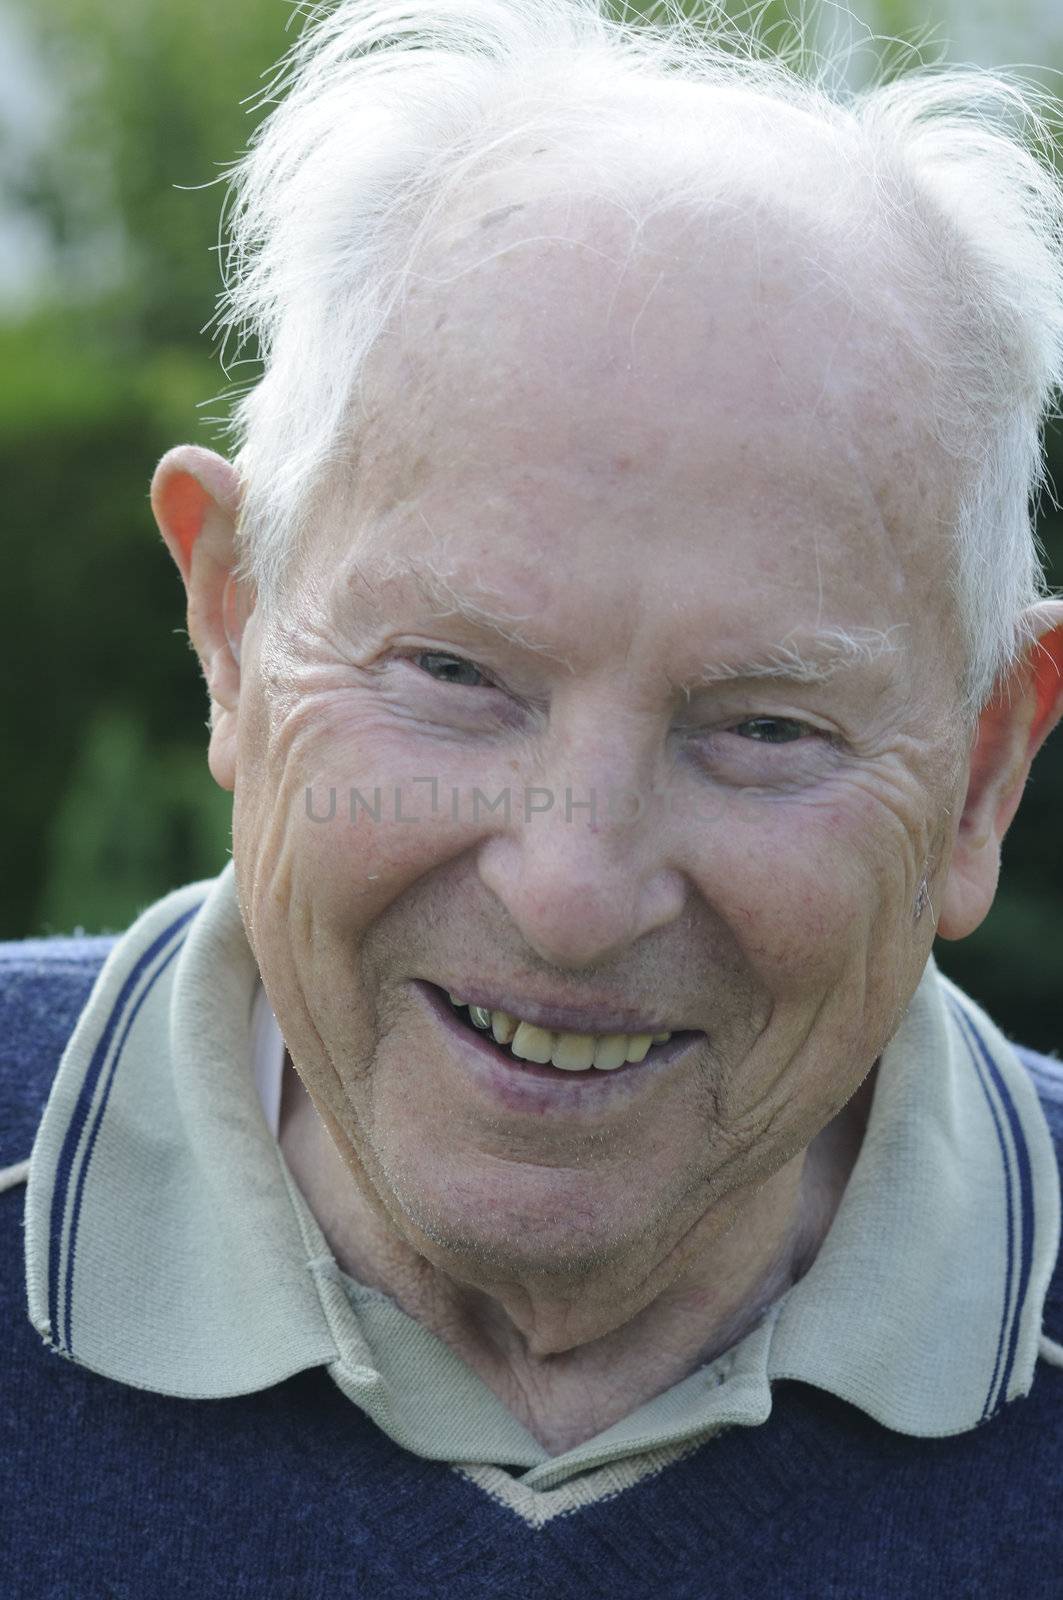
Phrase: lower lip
(531,1085)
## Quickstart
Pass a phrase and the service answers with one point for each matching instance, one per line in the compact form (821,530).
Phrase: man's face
(654,468)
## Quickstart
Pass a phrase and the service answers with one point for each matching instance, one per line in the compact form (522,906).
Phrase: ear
(195,497)
(1024,708)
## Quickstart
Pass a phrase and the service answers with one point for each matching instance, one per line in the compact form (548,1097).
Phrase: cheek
(359,811)
(807,885)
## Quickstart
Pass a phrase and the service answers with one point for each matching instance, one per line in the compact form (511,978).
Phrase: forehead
(584,299)
(738,399)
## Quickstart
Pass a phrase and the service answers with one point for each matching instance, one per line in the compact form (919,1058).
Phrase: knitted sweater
(108,1490)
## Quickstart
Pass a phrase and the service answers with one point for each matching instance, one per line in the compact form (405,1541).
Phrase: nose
(584,871)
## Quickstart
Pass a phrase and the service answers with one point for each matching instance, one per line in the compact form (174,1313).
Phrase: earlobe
(1011,729)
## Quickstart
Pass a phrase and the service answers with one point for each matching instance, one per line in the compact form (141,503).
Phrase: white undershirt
(267,1058)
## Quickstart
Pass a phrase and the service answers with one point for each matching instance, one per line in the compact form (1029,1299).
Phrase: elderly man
(548,1151)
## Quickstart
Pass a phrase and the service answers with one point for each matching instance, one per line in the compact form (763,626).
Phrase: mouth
(492,1041)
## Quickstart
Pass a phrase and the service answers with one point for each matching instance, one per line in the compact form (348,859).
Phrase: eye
(451,669)
(772,730)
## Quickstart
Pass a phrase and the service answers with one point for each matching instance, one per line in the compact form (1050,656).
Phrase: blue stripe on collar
(989,1073)
(72,1142)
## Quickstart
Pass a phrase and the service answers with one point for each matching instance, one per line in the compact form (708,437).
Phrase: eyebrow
(435,590)
(805,656)
(811,656)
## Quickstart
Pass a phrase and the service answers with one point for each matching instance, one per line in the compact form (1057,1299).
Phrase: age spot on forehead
(491,218)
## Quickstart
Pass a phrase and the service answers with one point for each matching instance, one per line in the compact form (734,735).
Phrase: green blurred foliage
(104,745)
(108,802)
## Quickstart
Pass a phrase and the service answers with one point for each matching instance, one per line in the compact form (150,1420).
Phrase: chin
(538,1221)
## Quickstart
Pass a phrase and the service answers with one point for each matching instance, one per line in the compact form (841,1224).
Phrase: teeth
(532,1044)
(610,1052)
(503,1026)
(571,1052)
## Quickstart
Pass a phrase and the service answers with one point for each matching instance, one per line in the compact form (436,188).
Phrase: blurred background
(116,123)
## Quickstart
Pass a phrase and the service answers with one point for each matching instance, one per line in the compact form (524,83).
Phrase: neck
(564,1366)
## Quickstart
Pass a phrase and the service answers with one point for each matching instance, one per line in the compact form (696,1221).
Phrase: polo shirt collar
(168,1247)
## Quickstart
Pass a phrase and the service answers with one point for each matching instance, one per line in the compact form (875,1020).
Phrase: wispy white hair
(388,113)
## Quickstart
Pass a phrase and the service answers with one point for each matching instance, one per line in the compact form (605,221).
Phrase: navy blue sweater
(109,1491)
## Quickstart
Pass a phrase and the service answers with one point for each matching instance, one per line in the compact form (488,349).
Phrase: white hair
(388,114)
